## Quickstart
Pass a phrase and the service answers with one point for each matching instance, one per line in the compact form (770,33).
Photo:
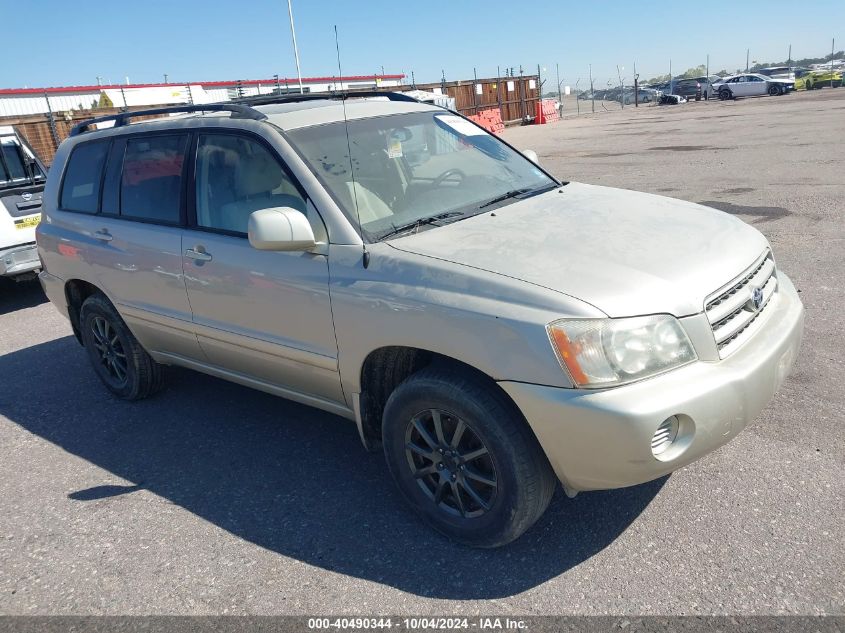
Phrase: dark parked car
(693,88)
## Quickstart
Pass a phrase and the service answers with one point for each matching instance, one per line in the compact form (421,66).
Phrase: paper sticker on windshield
(394,148)
(461,126)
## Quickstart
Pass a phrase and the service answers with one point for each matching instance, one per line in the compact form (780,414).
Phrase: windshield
(412,167)
(14,171)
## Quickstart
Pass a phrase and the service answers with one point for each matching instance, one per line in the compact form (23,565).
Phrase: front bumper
(19,260)
(602,439)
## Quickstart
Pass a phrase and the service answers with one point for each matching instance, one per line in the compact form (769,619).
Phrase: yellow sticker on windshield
(394,148)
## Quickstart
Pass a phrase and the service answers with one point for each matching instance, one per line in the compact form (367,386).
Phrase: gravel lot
(210,498)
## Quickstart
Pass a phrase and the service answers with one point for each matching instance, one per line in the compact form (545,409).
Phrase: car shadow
(17,295)
(289,478)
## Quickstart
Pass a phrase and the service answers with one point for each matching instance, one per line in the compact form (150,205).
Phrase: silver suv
(495,330)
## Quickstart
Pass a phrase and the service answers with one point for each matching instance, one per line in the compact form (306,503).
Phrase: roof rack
(122,118)
(294,97)
(242,107)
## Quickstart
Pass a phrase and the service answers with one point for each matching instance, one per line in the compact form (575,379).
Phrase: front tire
(724,94)
(464,458)
(123,366)
(774,90)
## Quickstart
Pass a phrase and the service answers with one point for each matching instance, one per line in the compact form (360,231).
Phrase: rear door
(135,242)
(260,314)
(756,85)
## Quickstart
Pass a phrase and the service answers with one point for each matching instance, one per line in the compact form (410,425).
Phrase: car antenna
(366,257)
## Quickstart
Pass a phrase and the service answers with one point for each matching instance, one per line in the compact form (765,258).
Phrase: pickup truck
(22,178)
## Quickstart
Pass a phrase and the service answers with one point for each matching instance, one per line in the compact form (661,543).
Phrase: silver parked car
(495,330)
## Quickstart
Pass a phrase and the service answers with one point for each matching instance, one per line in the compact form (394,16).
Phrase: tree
(104,102)
(698,71)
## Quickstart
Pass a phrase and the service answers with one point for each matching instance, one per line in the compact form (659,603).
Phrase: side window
(81,187)
(151,186)
(236,176)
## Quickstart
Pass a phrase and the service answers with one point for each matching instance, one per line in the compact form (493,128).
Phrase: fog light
(664,436)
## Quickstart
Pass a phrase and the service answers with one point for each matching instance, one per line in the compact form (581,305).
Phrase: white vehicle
(751,85)
(22,178)
(779,72)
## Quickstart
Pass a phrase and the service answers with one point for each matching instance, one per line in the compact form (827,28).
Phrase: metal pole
(474,89)
(295,49)
(165,77)
(789,59)
(559,95)
(499,91)
(636,87)
(577,100)
(621,88)
(123,96)
(522,106)
(832,52)
(671,79)
(709,88)
(52,121)
(747,57)
(592,92)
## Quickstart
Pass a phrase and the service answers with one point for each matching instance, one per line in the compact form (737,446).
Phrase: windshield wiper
(416,224)
(516,193)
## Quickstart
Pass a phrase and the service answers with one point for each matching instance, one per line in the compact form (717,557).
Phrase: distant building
(23,101)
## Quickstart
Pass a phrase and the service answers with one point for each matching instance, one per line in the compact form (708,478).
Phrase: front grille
(731,312)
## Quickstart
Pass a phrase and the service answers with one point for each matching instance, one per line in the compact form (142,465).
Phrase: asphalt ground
(210,498)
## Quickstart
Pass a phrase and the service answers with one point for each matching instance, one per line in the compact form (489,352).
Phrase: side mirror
(280,229)
(531,155)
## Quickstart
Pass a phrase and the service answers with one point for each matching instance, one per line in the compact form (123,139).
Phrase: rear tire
(483,501)
(123,366)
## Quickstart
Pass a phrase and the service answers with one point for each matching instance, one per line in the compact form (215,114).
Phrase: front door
(260,314)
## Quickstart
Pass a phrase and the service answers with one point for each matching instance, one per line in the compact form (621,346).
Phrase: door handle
(198,254)
(103,235)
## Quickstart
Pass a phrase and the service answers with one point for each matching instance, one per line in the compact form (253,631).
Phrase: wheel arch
(385,368)
(76,292)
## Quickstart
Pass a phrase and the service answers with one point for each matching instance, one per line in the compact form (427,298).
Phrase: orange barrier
(490,120)
(546,112)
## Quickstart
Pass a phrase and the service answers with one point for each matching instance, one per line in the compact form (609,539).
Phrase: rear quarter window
(81,186)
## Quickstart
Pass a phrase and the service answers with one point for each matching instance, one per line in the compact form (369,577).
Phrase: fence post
(474,91)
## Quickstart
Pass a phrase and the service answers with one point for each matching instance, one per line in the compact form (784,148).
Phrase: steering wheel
(447,174)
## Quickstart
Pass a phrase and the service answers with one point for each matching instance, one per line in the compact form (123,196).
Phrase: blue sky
(193,40)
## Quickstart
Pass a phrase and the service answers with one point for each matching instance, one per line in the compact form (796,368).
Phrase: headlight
(606,352)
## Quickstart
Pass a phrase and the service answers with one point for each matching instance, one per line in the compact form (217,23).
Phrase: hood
(626,253)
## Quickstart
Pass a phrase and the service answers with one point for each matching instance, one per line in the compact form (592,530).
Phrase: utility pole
(165,77)
(413,81)
(592,92)
(295,49)
(789,58)
(747,57)
(99,81)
